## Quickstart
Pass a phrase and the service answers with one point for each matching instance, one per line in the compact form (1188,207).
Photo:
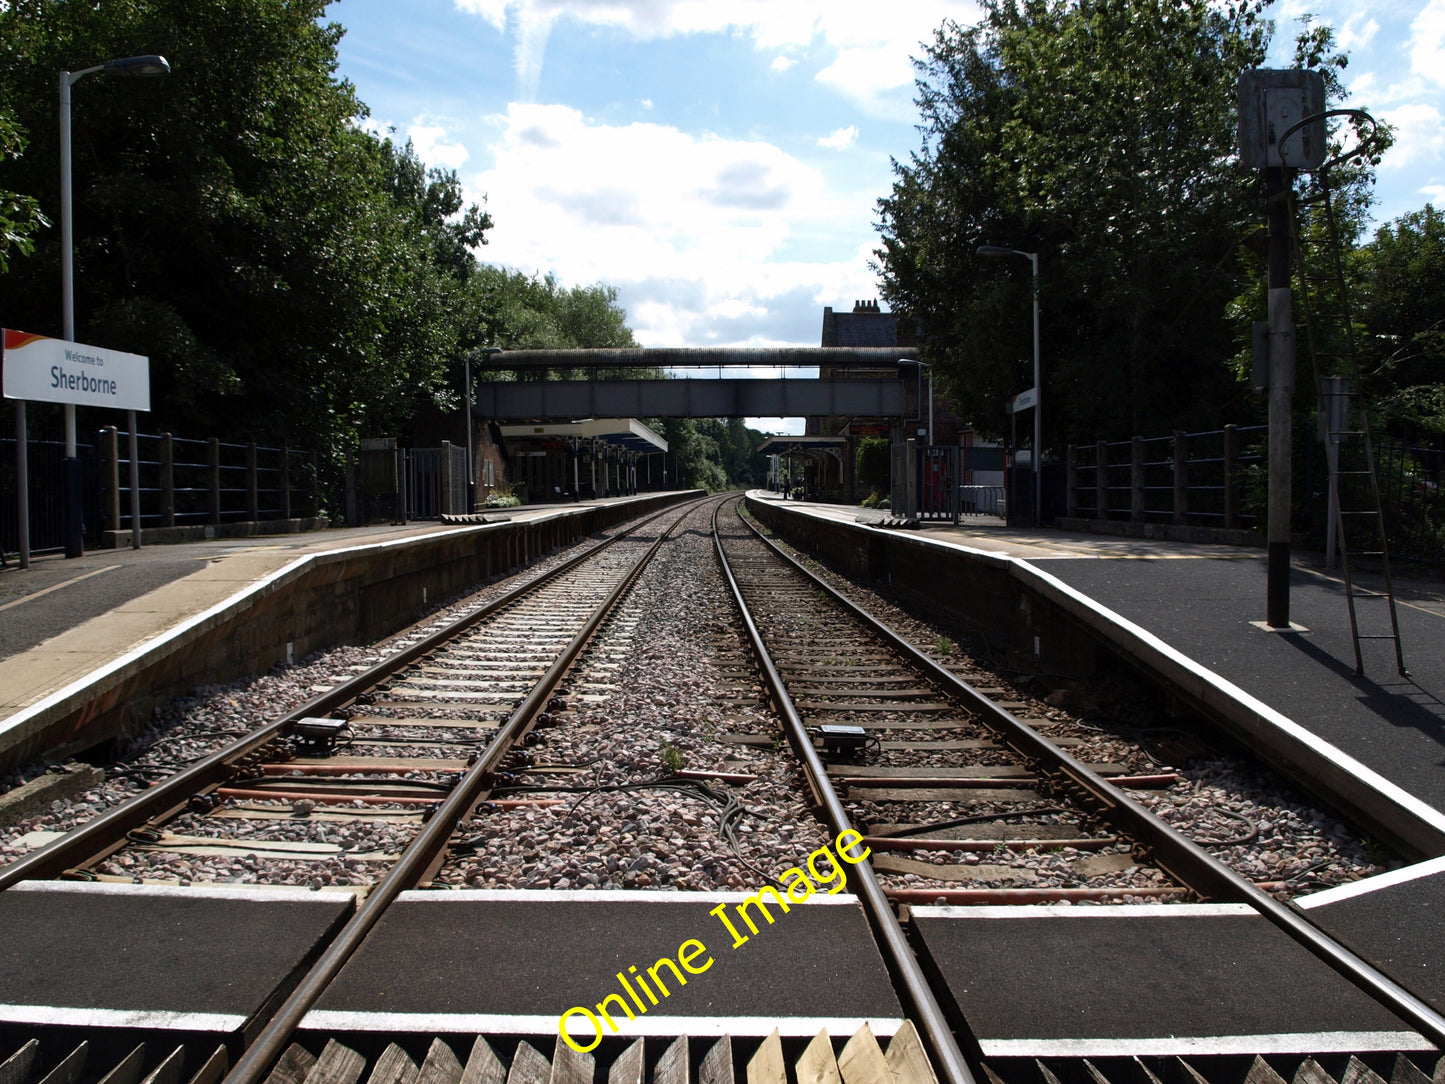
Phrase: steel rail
(102,831)
(932,1025)
(270,1042)
(1175,852)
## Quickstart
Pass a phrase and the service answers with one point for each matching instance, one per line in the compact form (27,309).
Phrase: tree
(289,274)
(20,216)
(1100,134)
(1401,282)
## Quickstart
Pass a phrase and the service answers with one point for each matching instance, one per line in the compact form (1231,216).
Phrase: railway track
(509,750)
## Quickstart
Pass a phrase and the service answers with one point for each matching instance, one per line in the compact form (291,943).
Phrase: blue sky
(718,162)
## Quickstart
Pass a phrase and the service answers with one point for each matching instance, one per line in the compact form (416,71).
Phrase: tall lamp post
(145,66)
(1038,459)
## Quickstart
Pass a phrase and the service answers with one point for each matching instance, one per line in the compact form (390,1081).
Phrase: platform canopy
(788,445)
(627,433)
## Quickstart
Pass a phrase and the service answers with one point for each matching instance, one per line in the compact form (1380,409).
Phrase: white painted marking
(58,586)
(1111,910)
(203,891)
(592,895)
(1433,868)
(161,1019)
(1321,1042)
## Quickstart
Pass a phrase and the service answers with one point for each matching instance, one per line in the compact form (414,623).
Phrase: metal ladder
(1354,490)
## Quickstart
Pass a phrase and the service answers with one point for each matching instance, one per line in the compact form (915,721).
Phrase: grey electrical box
(1271,102)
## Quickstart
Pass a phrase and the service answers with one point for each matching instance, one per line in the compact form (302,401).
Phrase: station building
(581,460)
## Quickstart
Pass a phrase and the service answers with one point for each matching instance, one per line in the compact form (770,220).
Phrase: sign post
(58,371)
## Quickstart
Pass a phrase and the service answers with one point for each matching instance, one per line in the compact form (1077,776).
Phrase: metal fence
(46,460)
(185,482)
(1412,494)
(436,481)
(1198,479)
(1216,479)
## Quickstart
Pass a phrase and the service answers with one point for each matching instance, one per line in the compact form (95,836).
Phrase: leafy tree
(874,463)
(20,216)
(291,276)
(1100,134)
(1401,281)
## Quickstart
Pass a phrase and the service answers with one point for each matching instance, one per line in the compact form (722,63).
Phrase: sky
(718,162)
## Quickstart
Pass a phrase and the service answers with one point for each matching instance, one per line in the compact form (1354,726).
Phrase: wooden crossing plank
(128,1070)
(440,1066)
(214,1067)
(393,1067)
(483,1065)
(717,1063)
(529,1066)
(907,1058)
(293,1066)
(1261,1072)
(672,1066)
(862,1061)
(70,1068)
(1357,1072)
(629,1067)
(1309,1072)
(817,1065)
(16,1068)
(571,1067)
(767,1065)
(169,1070)
(1407,1072)
(337,1064)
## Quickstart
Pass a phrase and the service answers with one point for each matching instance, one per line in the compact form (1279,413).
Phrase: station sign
(47,370)
(1025,399)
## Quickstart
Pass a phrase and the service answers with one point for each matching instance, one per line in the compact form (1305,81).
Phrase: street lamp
(921,366)
(145,66)
(1038,464)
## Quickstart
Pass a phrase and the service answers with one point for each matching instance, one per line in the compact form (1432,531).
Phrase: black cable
(977,818)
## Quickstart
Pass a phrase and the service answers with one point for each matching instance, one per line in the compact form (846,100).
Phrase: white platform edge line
(536,1024)
(202,891)
(293,568)
(1429,868)
(163,1019)
(1326,1042)
(1341,759)
(609,895)
(1109,910)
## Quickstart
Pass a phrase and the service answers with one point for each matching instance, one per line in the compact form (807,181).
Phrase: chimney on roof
(865,306)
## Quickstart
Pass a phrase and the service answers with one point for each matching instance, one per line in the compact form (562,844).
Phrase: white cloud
(1418,134)
(840,138)
(433,147)
(1427,57)
(782,63)
(693,230)
(872,52)
(646,103)
(1434,194)
(1353,35)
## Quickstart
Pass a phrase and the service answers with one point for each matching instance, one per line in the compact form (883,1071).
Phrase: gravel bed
(1236,807)
(638,709)
(214,715)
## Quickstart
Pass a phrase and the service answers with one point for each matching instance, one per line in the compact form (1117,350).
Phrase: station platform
(201,959)
(1201,603)
(1148,980)
(505,962)
(73,631)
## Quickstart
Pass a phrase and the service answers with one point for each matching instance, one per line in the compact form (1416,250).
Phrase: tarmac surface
(1204,602)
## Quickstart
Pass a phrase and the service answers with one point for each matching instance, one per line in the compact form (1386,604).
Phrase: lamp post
(1033,258)
(145,66)
(921,366)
